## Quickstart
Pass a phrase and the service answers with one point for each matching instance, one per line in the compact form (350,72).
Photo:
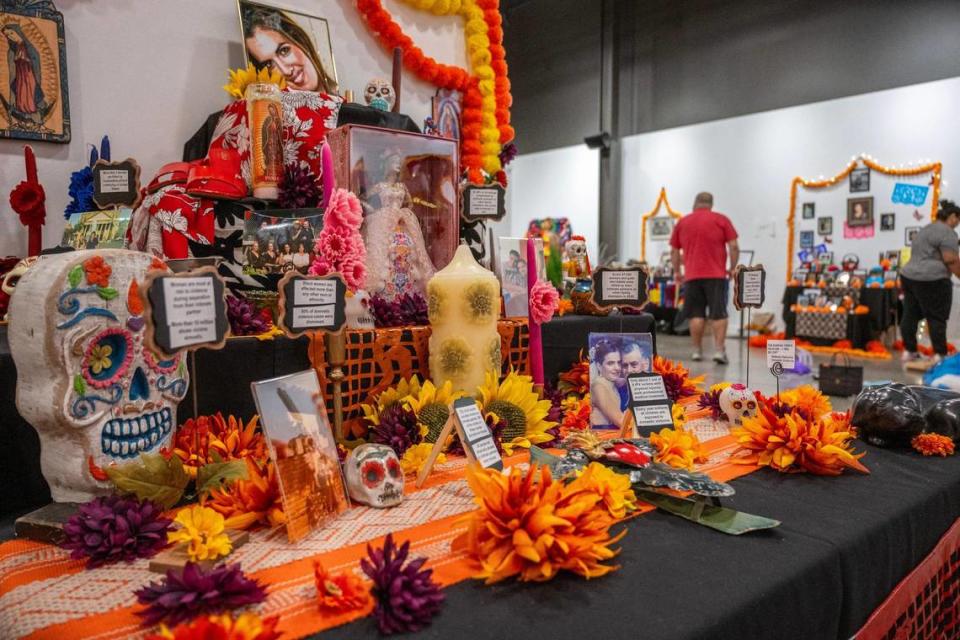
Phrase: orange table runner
(45,594)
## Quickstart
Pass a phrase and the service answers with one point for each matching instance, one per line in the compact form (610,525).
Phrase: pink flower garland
(543,301)
(339,245)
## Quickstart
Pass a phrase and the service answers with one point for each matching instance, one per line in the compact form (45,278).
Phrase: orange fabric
(287,583)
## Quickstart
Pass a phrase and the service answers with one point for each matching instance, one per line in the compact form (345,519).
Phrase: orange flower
(576,379)
(98,272)
(209,438)
(247,626)
(678,448)
(576,417)
(564,306)
(807,400)
(256,500)
(339,592)
(677,379)
(534,527)
(615,488)
(933,444)
(793,443)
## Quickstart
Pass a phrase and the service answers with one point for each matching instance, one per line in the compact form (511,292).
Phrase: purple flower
(406,597)
(398,429)
(113,528)
(185,594)
(245,318)
(404,310)
(299,188)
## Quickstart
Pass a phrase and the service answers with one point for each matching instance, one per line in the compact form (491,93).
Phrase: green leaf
(152,478)
(211,476)
(180,369)
(79,385)
(722,519)
(107,293)
(75,276)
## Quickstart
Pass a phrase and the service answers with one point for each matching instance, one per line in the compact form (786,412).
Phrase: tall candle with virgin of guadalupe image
(463,301)
(265,119)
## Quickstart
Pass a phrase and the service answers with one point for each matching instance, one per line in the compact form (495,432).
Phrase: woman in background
(275,41)
(925,279)
(604,393)
(301,259)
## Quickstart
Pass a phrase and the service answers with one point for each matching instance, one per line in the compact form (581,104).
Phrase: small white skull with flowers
(374,476)
(737,402)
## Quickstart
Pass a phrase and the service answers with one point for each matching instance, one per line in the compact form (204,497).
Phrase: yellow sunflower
(432,406)
(240,78)
(515,401)
(389,397)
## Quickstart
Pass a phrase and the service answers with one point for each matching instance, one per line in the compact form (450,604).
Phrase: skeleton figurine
(374,476)
(576,262)
(379,94)
(95,393)
(737,402)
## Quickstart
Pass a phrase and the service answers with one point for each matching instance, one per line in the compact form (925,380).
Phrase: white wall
(148,73)
(748,163)
(557,183)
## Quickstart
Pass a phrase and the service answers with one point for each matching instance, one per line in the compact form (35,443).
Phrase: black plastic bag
(944,418)
(888,416)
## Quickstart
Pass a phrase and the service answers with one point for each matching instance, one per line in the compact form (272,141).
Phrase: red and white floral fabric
(307,117)
(168,219)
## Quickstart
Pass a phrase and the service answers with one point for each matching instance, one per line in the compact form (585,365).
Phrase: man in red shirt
(699,248)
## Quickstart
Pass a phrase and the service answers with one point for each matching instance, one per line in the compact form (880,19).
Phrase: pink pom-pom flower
(343,210)
(543,301)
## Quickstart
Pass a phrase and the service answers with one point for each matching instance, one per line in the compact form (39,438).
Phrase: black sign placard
(311,303)
(186,311)
(486,202)
(648,402)
(475,435)
(624,287)
(116,183)
(749,287)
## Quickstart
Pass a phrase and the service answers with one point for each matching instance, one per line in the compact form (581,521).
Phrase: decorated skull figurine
(379,94)
(85,380)
(359,312)
(374,476)
(737,402)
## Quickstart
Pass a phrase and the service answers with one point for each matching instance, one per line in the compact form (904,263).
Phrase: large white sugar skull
(379,94)
(86,382)
(374,476)
(737,402)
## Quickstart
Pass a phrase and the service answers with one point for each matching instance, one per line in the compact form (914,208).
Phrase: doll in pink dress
(397,258)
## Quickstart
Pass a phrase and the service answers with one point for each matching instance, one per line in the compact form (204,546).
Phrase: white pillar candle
(463,300)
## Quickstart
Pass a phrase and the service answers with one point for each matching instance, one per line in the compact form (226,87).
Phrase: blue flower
(81,192)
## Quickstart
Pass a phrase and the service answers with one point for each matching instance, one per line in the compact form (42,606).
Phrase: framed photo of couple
(613,356)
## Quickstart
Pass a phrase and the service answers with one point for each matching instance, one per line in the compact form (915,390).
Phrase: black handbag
(840,380)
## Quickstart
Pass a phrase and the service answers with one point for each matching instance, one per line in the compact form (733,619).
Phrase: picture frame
(860,180)
(860,212)
(888,221)
(614,356)
(297,44)
(33,32)
(825,226)
(809,210)
(909,234)
(661,227)
(807,239)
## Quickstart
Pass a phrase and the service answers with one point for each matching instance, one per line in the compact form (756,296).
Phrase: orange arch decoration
(485,126)
(661,202)
(934,168)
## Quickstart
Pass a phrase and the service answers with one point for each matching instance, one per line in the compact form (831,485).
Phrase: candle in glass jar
(463,301)
(264,116)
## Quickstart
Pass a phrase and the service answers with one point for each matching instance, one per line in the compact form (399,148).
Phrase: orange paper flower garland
(532,526)
(485,121)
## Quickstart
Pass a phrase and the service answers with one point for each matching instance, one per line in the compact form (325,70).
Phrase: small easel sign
(185,311)
(625,287)
(649,405)
(749,292)
(311,303)
(475,436)
(781,355)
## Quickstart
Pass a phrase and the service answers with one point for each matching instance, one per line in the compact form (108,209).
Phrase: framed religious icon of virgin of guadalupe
(33,72)
(295,44)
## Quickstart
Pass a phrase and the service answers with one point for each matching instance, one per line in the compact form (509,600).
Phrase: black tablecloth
(882,304)
(844,544)
(858,332)
(565,337)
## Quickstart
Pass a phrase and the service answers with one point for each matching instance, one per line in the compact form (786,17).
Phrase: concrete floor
(679,348)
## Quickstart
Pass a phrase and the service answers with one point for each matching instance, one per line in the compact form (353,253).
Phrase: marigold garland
(532,526)
(933,444)
(485,120)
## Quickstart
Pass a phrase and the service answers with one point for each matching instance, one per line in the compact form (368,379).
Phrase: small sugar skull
(374,476)
(359,312)
(737,402)
(379,94)
(95,393)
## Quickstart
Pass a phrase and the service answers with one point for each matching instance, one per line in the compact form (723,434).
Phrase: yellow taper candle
(463,300)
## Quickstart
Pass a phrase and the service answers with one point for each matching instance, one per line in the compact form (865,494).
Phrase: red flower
(27,199)
(372,473)
(98,272)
